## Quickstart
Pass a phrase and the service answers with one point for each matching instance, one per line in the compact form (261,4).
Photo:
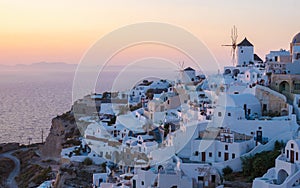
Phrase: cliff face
(77,175)
(63,133)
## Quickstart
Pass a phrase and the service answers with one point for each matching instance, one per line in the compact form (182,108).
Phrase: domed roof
(237,100)
(296,38)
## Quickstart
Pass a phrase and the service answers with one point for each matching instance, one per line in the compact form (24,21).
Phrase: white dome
(296,38)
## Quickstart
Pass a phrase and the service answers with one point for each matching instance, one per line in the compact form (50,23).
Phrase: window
(297,86)
(200,178)
(142,183)
(287,153)
(134,184)
(229,114)
(242,51)
(292,145)
(219,114)
(226,147)
(210,154)
(264,107)
(296,156)
(219,154)
(233,155)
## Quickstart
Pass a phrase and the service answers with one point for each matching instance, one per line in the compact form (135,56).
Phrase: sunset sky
(61,31)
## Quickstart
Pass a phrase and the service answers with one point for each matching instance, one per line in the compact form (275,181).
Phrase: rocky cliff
(63,133)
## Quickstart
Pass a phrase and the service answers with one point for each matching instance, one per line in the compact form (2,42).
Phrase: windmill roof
(189,69)
(245,42)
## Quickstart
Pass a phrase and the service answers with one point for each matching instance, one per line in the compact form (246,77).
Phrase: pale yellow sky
(61,31)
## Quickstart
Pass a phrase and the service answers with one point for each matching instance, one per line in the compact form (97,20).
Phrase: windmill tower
(233,44)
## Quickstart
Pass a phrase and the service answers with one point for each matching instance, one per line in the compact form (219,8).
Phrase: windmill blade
(234,35)
(233,45)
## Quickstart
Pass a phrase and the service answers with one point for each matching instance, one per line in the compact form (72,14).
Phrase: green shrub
(257,165)
(227,173)
(87,161)
(227,170)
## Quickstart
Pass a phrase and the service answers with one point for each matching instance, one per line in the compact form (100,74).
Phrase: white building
(278,56)
(181,175)
(236,107)
(252,75)
(245,53)
(99,178)
(189,75)
(286,172)
(295,48)
(296,105)
(219,145)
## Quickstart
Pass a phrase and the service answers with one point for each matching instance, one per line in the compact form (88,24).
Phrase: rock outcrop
(77,175)
(63,133)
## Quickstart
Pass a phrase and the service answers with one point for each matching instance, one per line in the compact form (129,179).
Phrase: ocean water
(29,101)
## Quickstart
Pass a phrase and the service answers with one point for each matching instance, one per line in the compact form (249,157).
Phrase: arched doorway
(282,175)
(284,112)
(235,72)
(227,71)
(284,86)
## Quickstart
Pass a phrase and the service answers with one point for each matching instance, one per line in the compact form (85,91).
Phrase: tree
(88,161)
(257,165)
(278,145)
(227,173)
(227,170)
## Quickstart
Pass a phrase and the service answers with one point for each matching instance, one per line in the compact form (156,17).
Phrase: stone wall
(272,103)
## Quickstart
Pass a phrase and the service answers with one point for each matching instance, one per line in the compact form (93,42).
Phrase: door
(203,157)
(226,156)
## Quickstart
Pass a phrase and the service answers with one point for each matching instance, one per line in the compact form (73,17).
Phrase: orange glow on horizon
(34,31)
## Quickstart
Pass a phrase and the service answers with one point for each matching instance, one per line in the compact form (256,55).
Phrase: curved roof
(296,38)
(245,42)
(189,69)
(238,100)
(296,141)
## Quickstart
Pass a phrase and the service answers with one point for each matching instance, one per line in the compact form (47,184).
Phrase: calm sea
(29,101)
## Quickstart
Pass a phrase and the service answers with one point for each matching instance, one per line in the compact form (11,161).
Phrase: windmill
(233,44)
(181,71)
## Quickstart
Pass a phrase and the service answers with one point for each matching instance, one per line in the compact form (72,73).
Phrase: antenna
(233,44)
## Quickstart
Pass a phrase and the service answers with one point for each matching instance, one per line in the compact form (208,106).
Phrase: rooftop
(245,42)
